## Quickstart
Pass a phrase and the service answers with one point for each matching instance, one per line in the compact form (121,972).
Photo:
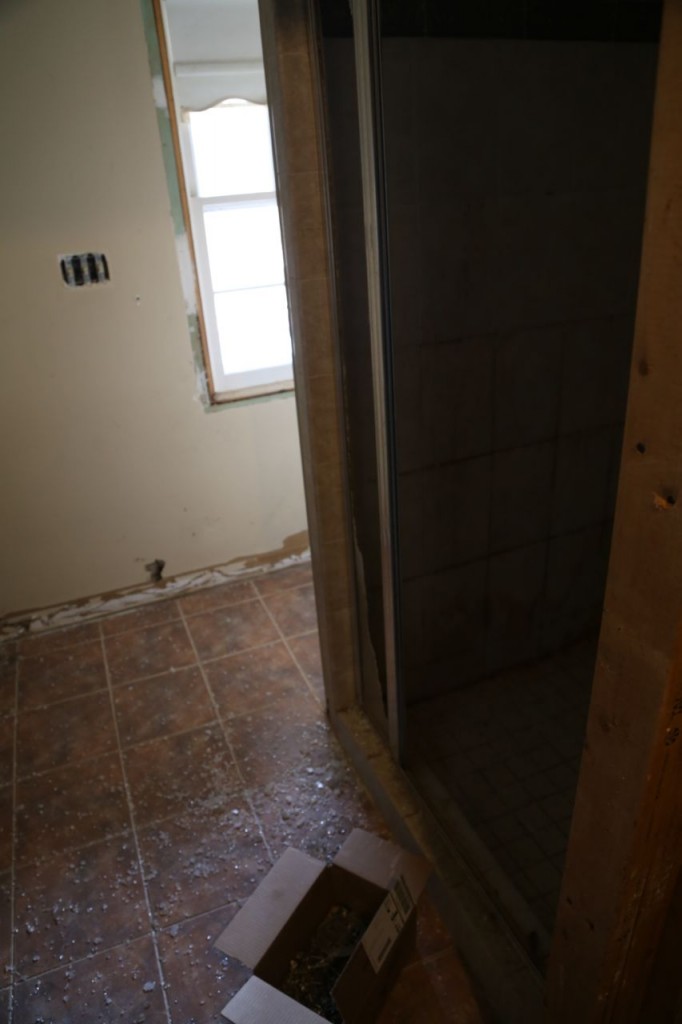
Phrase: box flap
(260,1003)
(360,991)
(383,863)
(252,931)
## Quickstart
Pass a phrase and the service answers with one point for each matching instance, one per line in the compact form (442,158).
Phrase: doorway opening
(511,182)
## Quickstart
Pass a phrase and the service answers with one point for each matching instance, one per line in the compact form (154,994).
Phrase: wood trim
(625,850)
(182,184)
(368,82)
(292,72)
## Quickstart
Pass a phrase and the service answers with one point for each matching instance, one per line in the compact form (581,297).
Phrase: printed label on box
(387,924)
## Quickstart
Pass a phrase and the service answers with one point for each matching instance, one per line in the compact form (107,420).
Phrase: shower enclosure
(487,169)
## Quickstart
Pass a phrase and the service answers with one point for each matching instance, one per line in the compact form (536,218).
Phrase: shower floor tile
(507,750)
(153,765)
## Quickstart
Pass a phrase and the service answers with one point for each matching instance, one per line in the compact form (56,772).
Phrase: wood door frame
(625,848)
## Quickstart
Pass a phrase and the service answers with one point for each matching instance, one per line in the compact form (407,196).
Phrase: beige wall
(108,458)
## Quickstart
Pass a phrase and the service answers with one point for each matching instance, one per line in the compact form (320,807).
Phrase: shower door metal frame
(367,41)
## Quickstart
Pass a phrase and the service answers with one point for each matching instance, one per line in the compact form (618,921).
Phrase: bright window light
(239,248)
(255,329)
(232,149)
(244,246)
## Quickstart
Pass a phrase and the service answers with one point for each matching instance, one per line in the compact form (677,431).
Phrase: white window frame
(233,386)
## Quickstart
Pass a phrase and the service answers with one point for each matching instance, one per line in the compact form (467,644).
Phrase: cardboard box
(374,878)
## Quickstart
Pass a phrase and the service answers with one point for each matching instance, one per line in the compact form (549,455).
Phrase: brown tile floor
(152,767)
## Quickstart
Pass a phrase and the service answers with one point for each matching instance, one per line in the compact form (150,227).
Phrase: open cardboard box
(369,875)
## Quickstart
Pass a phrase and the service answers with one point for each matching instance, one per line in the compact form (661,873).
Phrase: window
(238,247)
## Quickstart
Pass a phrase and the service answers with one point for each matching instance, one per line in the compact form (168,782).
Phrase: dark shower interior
(516,148)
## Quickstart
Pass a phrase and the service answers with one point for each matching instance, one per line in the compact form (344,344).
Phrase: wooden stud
(625,849)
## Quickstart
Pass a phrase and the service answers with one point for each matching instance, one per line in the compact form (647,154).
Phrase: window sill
(279,387)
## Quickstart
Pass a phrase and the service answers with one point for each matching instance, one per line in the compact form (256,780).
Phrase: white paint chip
(159,90)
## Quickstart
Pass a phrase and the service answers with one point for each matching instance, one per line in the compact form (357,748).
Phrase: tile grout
(228,743)
(285,641)
(137,834)
(136,841)
(172,670)
(77,961)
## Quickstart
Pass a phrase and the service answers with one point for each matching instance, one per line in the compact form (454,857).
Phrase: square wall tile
(445,614)
(614,93)
(583,476)
(516,582)
(456,100)
(536,103)
(576,577)
(596,373)
(399,115)
(459,268)
(411,501)
(456,503)
(527,386)
(521,495)
(411,452)
(457,399)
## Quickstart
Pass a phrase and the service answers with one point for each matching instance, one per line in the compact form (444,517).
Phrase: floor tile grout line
(78,960)
(191,918)
(218,719)
(286,643)
(13,876)
(63,700)
(39,861)
(136,841)
(130,746)
(245,789)
(201,661)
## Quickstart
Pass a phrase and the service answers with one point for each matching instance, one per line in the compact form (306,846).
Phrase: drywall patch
(163,121)
(153,51)
(203,394)
(294,551)
(187,279)
(162,114)
(159,90)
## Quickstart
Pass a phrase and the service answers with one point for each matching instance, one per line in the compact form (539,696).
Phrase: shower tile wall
(516,176)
